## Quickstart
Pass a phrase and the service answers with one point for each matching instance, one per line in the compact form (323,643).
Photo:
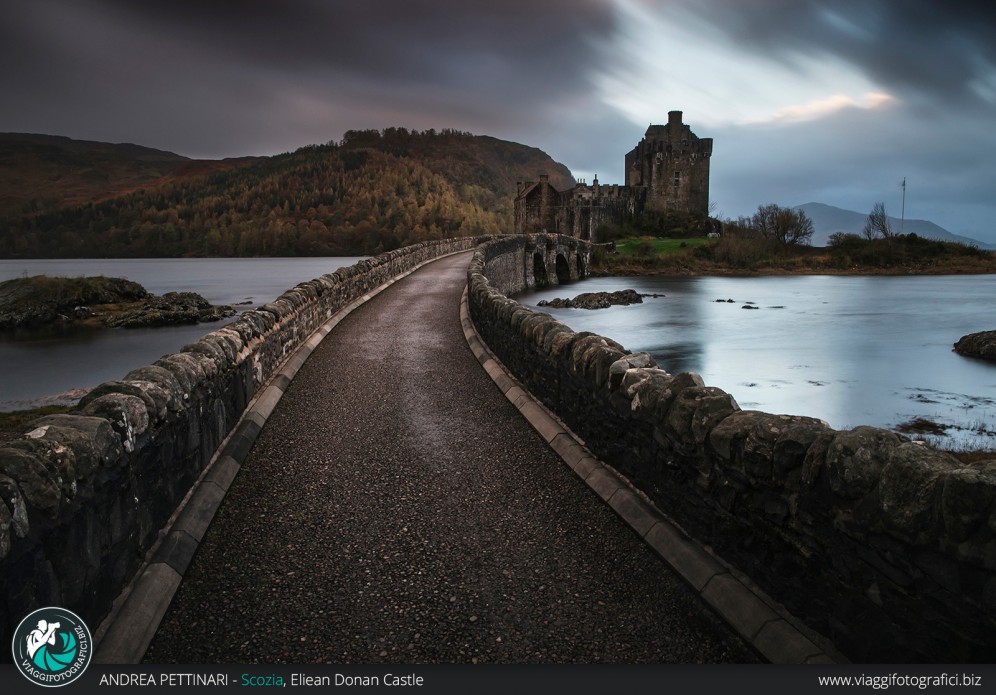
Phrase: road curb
(125,634)
(763,623)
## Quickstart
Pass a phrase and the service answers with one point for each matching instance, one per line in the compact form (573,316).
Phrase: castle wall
(539,207)
(585,215)
(885,546)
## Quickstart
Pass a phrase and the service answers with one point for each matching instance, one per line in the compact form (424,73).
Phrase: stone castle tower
(667,171)
(672,163)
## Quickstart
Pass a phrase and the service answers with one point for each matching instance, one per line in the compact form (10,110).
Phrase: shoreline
(774,273)
(748,257)
(635,270)
(65,399)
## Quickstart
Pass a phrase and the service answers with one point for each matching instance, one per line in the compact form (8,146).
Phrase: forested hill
(373,191)
(44,172)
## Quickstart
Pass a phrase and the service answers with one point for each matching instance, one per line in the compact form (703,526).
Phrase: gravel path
(397,508)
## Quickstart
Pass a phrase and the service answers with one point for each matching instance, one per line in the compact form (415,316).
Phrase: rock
(763,445)
(128,415)
(14,501)
(556,303)
(173,308)
(38,483)
(41,300)
(855,460)
(694,412)
(6,522)
(912,481)
(597,300)
(618,369)
(966,498)
(981,345)
(91,439)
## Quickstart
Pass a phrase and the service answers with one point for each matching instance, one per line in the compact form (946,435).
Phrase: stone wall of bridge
(884,545)
(84,495)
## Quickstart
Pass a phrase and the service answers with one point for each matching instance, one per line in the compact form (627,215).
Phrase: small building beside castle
(667,171)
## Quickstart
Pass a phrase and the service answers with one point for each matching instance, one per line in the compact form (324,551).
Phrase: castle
(667,171)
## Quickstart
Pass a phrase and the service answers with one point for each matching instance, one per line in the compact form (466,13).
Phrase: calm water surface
(848,350)
(36,365)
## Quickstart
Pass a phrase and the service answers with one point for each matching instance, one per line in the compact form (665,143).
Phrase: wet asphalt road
(397,508)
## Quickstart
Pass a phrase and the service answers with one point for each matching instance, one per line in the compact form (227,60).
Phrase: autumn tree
(780,224)
(878,223)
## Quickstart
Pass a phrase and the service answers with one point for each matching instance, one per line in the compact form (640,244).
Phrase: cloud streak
(935,51)
(820,108)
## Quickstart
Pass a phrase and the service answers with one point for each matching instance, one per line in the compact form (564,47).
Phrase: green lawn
(652,246)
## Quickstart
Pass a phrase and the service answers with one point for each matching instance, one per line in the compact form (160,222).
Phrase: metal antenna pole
(902,219)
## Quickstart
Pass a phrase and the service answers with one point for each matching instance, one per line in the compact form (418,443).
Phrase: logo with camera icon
(52,647)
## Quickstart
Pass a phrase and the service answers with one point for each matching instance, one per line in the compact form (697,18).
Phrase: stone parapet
(884,545)
(85,495)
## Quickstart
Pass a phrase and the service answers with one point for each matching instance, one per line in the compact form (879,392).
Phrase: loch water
(49,365)
(851,350)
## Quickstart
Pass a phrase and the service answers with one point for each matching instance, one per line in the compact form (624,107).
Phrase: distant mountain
(55,143)
(828,219)
(41,173)
(373,191)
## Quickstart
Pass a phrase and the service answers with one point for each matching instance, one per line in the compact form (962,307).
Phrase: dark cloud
(417,39)
(921,48)
(231,65)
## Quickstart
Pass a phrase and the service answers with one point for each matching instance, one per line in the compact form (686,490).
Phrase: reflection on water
(38,363)
(679,356)
(849,350)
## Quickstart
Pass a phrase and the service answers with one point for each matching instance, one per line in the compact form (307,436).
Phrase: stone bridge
(432,515)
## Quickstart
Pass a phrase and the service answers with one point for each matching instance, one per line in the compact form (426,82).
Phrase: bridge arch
(563,269)
(540,277)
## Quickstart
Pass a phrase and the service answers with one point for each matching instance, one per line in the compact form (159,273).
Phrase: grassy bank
(908,255)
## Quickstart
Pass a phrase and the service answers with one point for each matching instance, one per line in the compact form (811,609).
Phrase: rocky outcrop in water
(42,300)
(171,309)
(597,300)
(981,345)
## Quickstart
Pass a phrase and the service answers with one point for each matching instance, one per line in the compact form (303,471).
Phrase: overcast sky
(807,100)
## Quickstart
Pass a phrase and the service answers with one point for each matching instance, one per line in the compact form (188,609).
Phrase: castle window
(677,179)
